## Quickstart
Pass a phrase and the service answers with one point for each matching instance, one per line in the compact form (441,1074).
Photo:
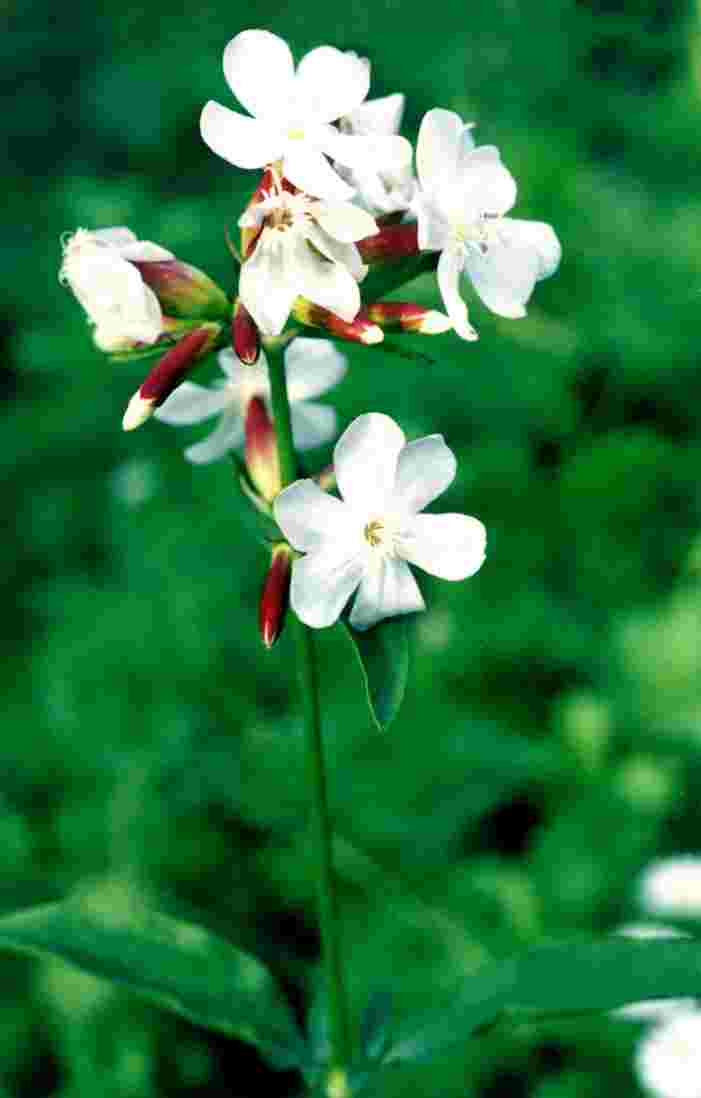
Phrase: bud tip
(138,411)
(434,323)
(372,334)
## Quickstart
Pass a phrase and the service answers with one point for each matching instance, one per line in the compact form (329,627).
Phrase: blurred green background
(549,744)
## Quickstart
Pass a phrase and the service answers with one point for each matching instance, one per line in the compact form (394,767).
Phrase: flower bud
(390,243)
(245,334)
(167,374)
(360,330)
(408,317)
(183,290)
(261,450)
(250,232)
(274,597)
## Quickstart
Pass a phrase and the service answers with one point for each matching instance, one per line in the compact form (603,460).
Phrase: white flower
(386,183)
(668,1058)
(304,249)
(98,267)
(292,111)
(465,191)
(367,539)
(672,887)
(652,1010)
(311,365)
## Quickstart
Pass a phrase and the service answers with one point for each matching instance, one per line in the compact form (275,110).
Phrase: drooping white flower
(366,540)
(385,184)
(292,111)
(465,192)
(668,1058)
(304,249)
(672,887)
(311,366)
(98,267)
(652,1010)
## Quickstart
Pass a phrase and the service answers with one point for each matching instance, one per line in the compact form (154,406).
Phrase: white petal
(144,251)
(312,367)
(264,285)
(424,470)
(244,142)
(325,283)
(322,583)
(227,435)
(486,186)
(377,116)
(259,69)
(230,364)
(449,546)
(343,221)
(308,516)
(538,237)
(309,170)
(504,275)
(346,254)
(365,461)
(331,83)
(312,424)
(366,153)
(191,403)
(386,591)
(450,266)
(438,148)
(434,231)
(118,236)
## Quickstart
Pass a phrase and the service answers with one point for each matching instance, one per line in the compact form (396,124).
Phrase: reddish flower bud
(261,450)
(274,597)
(249,234)
(408,317)
(392,242)
(360,330)
(245,334)
(183,290)
(167,374)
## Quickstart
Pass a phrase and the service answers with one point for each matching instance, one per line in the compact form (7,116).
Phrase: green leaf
(182,967)
(557,979)
(383,656)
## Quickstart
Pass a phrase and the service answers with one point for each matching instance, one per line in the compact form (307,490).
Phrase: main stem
(308,675)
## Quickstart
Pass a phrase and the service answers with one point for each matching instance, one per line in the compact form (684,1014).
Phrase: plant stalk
(308,676)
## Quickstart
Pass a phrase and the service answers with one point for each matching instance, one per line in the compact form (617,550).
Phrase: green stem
(308,675)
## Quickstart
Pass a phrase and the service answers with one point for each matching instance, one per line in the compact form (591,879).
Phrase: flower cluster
(343,211)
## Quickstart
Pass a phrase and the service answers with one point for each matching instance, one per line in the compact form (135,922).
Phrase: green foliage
(383,656)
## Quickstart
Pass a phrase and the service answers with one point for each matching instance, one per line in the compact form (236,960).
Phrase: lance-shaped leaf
(179,966)
(557,979)
(383,656)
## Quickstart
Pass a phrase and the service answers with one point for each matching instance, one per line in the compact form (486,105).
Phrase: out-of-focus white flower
(668,1058)
(304,248)
(292,111)
(311,366)
(652,1010)
(99,268)
(672,887)
(367,539)
(386,184)
(465,191)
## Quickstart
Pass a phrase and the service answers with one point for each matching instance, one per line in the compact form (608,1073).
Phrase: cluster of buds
(338,219)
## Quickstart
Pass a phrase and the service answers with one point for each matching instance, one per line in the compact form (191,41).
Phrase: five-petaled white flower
(367,539)
(672,887)
(99,268)
(668,1058)
(292,111)
(386,184)
(304,249)
(311,366)
(465,191)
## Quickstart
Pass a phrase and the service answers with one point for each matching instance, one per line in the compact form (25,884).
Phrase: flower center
(373,533)
(295,135)
(477,234)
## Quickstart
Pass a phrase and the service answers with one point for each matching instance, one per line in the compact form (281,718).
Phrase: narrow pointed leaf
(557,979)
(383,656)
(176,965)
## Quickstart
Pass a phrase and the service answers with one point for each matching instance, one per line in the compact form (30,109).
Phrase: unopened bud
(408,317)
(326,478)
(360,330)
(392,242)
(250,232)
(167,374)
(183,290)
(261,450)
(245,334)
(274,597)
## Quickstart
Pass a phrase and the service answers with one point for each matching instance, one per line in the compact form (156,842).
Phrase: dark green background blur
(549,743)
